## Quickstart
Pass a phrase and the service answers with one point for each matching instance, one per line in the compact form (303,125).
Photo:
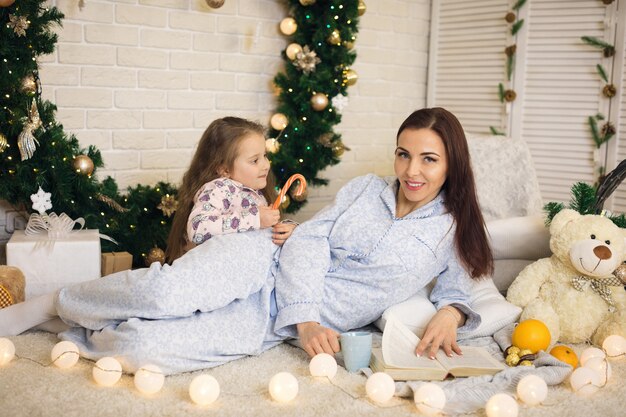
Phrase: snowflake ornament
(41,201)
(340,102)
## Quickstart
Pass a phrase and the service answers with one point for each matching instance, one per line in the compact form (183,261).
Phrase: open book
(397,358)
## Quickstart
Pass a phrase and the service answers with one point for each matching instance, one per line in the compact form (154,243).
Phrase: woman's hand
(269,216)
(281,232)
(441,332)
(316,338)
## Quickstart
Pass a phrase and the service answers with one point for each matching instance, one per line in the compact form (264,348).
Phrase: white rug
(30,389)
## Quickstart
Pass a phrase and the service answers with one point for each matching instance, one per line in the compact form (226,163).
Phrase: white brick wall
(141,79)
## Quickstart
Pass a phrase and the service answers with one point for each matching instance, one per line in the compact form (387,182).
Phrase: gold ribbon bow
(598,285)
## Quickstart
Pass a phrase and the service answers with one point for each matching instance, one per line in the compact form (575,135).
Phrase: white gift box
(50,264)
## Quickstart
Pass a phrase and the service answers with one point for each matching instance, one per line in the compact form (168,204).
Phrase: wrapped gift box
(115,262)
(50,264)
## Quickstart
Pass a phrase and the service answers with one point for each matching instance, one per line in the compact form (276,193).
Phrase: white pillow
(485,299)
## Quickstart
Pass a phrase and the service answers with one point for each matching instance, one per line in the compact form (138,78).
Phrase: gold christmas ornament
(83,165)
(509,96)
(215,4)
(3,142)
(284,203)
(293,50)
(6,3)
(307,2)
(609,91)
(168,205)
(279,121)
(361,8)
(334,38)
(338,148)
(348,44)
(272,145)
(299,198)
(155,255)
(326,140)
(510,17)
(620,273)
(29,85)
(288,26)
(350,77)
(319,101)
(26,139)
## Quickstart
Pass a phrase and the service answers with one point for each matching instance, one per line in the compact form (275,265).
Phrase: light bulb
(204,389)
(501,405)
(532,389)
(591,352)
(107,371)
(602,367)
(614,345)
(7,351)
(430,399)
(283,387)
(288,26)
(64,354)
(149,379)
(323,364)
(380,387)
(584,381)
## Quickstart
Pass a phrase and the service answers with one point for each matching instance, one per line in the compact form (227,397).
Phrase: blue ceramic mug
(356,348)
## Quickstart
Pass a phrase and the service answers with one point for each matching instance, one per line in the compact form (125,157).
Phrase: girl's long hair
(217,149)
(461,201)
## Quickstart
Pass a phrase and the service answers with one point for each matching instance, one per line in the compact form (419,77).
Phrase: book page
(473,357)
(399,345)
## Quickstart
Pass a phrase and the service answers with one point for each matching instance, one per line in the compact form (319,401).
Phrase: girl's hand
(441,332)
(316,338)
(281,232)
(269,216)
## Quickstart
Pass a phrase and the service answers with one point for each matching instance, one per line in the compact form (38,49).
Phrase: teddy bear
(12,284)
(575,291)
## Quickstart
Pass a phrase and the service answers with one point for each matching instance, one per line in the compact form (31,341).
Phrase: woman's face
(421,165)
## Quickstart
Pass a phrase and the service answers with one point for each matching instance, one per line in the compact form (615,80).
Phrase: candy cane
(301,188)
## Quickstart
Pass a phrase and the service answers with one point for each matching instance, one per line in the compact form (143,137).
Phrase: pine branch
(595,42)
(552,209)
(595,134)
(516,27)
(519,4)
(509,66)
(495,131)
(602,73)
(501,92)
(583,198)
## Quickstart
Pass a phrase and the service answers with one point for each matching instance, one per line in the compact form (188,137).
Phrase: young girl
(226,188)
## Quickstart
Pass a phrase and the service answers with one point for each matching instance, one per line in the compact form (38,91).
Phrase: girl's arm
(282,230)
(221,208)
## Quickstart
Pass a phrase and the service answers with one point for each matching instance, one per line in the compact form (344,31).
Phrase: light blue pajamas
(342,268)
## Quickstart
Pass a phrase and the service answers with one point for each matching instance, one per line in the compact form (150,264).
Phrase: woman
(378,244)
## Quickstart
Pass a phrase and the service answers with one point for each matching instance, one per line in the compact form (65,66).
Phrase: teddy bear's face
(593,245)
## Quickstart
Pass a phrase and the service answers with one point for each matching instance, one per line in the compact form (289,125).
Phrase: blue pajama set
(239,294)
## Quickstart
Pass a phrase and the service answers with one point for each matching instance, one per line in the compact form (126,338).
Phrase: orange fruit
(565,354)
(531,334)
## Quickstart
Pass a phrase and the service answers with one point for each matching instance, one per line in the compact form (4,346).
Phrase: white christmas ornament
(323,364)
(430,399)
(41,201)
(584,381)
(592,352)
(501,405)
(614,345)
(64,354)
(340,102)
(532,389)
(288,26)
(7,351)
(283,387)
(149,379)
(602,367)
(107,371)
(380,387)
(204,389)
(293,50)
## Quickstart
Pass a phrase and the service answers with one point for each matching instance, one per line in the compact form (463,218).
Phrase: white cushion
(524,237)
(485,300)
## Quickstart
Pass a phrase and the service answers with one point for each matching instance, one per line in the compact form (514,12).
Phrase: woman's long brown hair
(217,150)
(461,201)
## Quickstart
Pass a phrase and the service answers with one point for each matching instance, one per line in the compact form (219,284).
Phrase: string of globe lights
(283,387)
